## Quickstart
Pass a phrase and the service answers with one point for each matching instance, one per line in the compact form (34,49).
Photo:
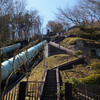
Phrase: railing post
(68,91)
(0,75)
(22,91)
(1,58)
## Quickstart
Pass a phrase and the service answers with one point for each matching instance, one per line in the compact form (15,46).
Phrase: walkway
(50,86)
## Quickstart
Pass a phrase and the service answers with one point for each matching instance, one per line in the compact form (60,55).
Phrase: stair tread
(50,86)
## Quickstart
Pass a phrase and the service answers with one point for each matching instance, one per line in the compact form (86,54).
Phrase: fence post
(68,91)
(1,58)
(22,90)
(0,75)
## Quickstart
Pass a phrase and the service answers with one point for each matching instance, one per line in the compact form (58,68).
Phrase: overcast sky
(47,8)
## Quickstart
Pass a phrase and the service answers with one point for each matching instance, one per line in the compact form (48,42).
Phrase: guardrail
(58,83)
(40,89)
(69,51)
(88,92)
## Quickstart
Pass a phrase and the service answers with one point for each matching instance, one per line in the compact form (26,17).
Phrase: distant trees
(83,15)
(55,27)
(50,25)
(94,6)
(16,22)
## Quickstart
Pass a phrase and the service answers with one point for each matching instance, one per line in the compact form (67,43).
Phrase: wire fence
(88,92)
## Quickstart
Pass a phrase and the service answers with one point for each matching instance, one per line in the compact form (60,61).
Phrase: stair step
(50,86)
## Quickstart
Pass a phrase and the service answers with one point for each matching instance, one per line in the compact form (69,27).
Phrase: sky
(48,8)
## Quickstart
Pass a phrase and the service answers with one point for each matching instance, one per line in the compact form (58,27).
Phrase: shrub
(93,79)
(74,80)
(78,52)
(95,66)
(98,71)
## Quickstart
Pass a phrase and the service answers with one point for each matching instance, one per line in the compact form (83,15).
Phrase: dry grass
(53,61)
(79,71)
(69,41)
(72,40)
(74,31)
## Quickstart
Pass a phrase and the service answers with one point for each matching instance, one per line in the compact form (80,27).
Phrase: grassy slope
(53,61)
(79,71)
(71,41)
(74,31)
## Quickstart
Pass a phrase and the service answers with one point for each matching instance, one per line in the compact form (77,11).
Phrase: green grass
(92,79)
(79,71)
(51,62)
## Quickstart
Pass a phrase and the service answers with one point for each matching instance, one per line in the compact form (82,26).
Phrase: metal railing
(33,91)
(40,88)
(88,92)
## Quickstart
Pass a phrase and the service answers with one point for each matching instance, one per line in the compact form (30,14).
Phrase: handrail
(58,82)
(40,89)
(69,51)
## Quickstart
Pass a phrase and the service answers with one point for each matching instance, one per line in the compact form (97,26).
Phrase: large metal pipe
(8,66)
(10,48)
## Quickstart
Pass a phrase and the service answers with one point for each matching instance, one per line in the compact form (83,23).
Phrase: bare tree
(36,22)
(50,25)
(9,9)
(83,15)
(73,16)
(94,6)
(55,27)
(16,21)
(4,20)
(90,11)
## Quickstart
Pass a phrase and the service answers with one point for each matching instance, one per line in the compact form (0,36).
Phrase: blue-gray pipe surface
(10,48)
(8,66)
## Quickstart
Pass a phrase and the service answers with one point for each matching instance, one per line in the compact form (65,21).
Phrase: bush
(74,82)
(78,52)
(98,71)
(93,79)
(95,66)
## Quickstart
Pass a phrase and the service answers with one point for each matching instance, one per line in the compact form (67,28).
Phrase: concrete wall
(54,51)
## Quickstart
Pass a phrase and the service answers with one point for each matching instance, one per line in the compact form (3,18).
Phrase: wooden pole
(22,91)
(0,75)
(59,43)
(68,91)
